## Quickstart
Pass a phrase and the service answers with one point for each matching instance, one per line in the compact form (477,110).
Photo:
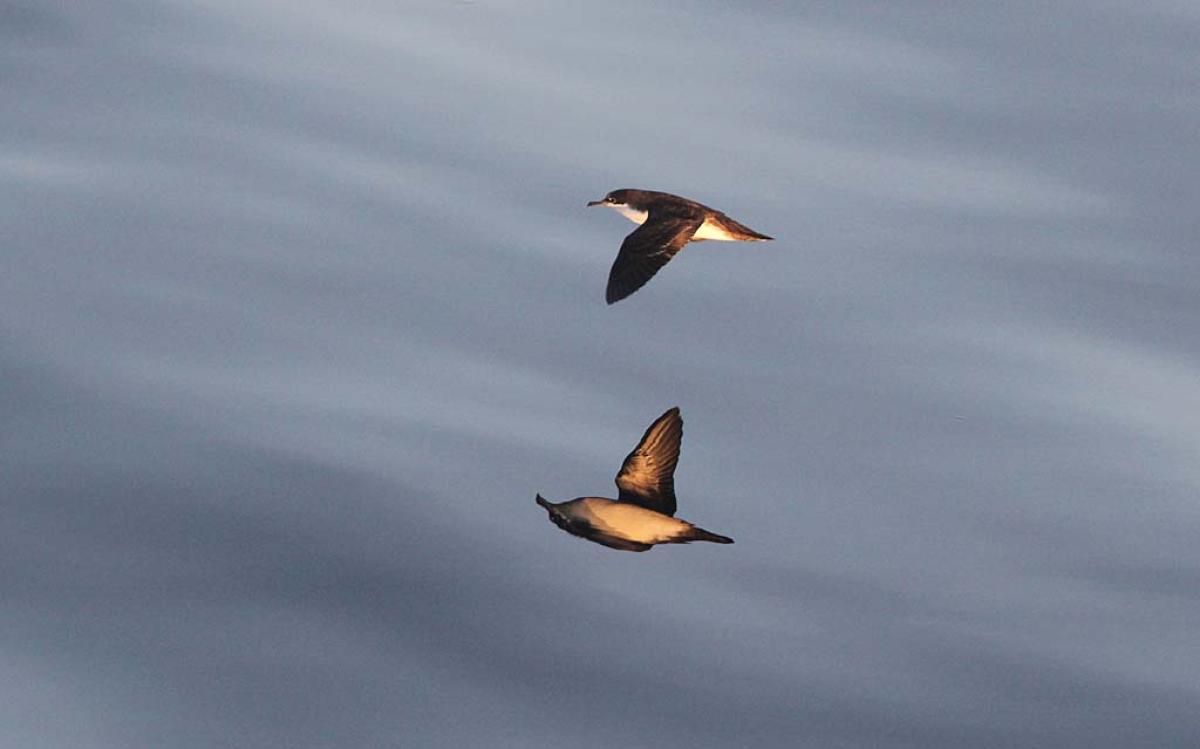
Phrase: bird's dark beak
(595,202)
(542,501)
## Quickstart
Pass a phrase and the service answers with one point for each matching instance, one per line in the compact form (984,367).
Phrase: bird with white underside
(666,223)
(643,515)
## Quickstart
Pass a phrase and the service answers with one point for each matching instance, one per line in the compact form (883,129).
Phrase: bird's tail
(745,233)
(699,534)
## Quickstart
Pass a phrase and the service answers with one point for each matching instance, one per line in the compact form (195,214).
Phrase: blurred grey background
(301,305)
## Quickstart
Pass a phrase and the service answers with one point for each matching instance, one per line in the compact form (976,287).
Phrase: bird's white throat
(633,214)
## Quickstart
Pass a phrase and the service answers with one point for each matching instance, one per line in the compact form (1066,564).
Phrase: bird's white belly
(631,522)
(711,230)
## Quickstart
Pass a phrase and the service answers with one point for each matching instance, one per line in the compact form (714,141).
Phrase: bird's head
(613,199)
(556,515)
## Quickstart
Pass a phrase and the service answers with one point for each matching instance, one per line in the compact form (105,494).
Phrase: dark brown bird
(668,222)
(643,514)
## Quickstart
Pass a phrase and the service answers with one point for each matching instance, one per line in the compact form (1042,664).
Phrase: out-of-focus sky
(300,305)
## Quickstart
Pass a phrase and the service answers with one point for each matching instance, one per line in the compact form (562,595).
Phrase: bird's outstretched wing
(647,476)
(648,248)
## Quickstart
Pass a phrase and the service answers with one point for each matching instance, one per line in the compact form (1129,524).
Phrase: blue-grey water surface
(300,305)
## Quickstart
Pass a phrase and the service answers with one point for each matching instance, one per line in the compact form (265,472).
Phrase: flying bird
(667,223)
(643,513)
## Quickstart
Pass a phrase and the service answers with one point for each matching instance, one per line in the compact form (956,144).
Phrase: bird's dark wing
(647,476)
(648,248)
